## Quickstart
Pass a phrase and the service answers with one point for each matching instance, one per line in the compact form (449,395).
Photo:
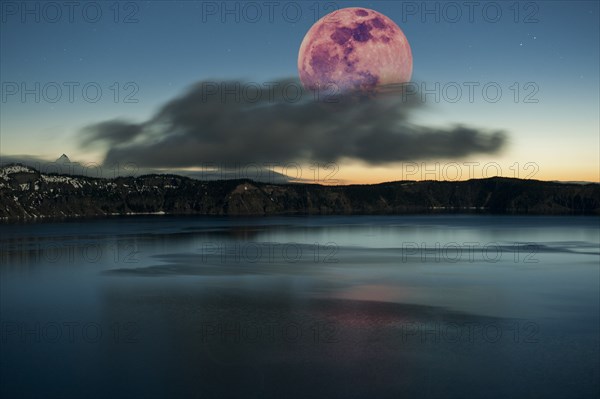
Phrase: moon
(354,49)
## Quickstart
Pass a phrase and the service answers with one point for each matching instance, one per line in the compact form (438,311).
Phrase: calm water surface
(411,306)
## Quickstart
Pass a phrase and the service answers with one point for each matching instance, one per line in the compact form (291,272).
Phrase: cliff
(25,193)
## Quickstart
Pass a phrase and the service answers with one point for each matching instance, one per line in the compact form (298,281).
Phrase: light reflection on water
(427,306)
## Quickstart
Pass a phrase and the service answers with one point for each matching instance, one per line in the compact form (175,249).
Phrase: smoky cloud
(279,122)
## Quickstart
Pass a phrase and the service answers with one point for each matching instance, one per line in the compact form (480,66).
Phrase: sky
(66,68)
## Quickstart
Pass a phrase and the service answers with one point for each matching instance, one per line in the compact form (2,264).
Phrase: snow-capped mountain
(63,159)
(26,193)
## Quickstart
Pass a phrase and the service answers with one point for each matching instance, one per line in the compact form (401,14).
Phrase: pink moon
(354,49)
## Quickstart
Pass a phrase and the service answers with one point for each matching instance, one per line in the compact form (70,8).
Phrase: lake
(391,306)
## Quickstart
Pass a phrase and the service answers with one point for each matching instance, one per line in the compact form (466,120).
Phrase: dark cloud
(240,122)
(113,131)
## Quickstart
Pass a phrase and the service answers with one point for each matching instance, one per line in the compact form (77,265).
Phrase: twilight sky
(543,55)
